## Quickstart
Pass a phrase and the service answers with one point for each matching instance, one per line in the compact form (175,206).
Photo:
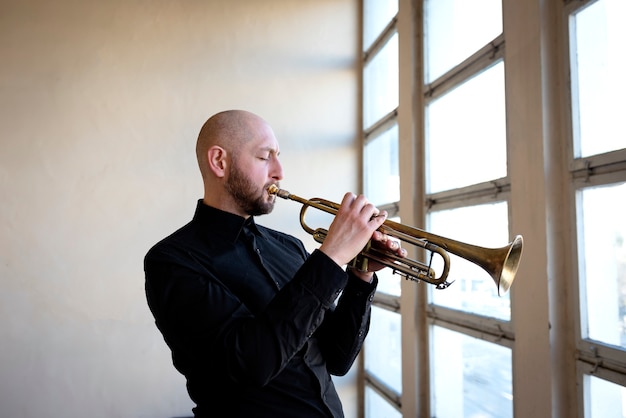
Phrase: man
(248,314)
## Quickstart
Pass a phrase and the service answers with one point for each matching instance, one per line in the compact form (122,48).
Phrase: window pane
(382,348)
(382,180)
(455,29)
(388,282)
(466,133)
(380,83)
(376,15)
(598,69)
(473,289)
(470,377)
(376,406)
(602,263)
(604,399)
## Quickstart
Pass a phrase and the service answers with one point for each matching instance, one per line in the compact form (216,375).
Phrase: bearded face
(252,199)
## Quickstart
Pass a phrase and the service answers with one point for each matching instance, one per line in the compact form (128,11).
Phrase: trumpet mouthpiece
(273,189)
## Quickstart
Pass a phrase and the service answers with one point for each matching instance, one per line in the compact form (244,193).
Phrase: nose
(276,170)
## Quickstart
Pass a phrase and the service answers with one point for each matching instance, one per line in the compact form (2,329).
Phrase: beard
(246,194)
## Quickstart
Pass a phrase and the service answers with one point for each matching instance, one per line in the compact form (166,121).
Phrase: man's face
(251,198)
(254,167)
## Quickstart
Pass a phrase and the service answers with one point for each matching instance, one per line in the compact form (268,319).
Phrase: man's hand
(352,228)
(382,242)
(355,224)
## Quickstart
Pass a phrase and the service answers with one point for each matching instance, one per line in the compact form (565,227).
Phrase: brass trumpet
(500,263)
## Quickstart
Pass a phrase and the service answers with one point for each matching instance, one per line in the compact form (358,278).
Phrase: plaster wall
(100,106)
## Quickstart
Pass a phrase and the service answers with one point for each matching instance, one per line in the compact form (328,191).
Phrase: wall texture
(100,105)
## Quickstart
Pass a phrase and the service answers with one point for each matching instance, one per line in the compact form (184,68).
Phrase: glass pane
(604,399)
(455,29)
(602,263)
(376,406)
(376,15)
(382,179)
(388,282)
(473,289)
(466,133)
(380,83)
(382,348)
(470,377)
(597,75)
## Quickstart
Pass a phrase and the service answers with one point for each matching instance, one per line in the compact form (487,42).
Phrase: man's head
(238,158)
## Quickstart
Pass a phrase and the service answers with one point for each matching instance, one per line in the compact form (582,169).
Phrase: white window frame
(550,357)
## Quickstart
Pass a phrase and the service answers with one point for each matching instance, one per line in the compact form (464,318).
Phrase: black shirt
(250,317)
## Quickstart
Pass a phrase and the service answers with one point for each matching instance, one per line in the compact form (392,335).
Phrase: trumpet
(500,263)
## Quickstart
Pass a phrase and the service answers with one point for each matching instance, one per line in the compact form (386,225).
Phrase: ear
(216,158)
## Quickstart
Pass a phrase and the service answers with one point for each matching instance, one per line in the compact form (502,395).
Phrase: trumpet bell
(510,264)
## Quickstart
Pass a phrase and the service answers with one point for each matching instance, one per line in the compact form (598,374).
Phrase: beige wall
(100,104)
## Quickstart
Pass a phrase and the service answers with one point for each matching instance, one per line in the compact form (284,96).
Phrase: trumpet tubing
(500,263)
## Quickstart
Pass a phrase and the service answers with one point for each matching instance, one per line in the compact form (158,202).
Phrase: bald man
(249,315)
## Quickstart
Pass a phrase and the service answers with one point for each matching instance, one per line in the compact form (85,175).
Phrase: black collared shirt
(250,317)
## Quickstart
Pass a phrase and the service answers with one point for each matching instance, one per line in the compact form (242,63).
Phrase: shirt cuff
(360,287)
(323,277)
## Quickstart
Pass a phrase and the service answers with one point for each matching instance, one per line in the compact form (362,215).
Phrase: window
(512,113)
(597,33)
(466,154)
(466,130)
(602,263)
(472,291)
(455,29)
(382,349)
(471,377)
(598,145)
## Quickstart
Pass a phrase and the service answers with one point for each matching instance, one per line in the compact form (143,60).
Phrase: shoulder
(175,243)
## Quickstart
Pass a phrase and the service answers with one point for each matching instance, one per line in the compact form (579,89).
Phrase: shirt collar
(226,224)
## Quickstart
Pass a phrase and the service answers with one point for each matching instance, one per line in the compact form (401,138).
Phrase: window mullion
(479,61)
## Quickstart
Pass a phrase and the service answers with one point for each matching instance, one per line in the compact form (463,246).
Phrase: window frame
(551,359)
(370,133)
(593,358)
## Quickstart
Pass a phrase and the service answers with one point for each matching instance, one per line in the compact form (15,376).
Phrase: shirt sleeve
(345,328)
(210,331)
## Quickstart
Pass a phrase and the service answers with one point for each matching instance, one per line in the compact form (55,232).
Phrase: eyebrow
(270,150)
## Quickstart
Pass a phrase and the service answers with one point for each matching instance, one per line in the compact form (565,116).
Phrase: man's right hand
(353,226)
